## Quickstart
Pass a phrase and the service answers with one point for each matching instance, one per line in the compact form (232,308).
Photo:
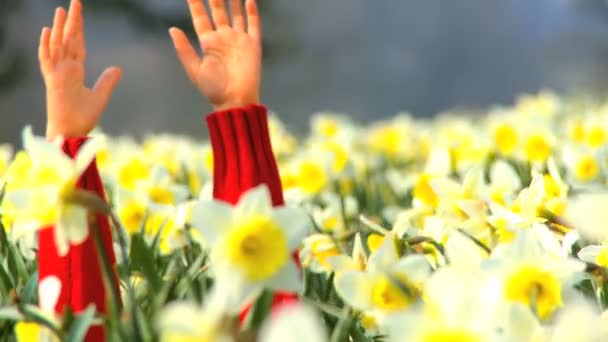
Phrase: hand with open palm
(229,72)
(73,110)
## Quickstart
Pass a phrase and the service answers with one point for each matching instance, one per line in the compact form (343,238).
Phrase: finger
(57,48)
(106,83)
(44,54)
(185,51)
(71,50)
(236,11)
(218,12)
(253,19)
(200,17)
(73,33)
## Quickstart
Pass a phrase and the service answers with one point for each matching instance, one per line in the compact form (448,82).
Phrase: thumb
(106,83)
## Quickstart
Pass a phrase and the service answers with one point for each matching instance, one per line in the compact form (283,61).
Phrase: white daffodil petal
(211,219)
(254,202)
(49,290)
(74,221)
(414,267)
(294,323)
(287,279)
(462,251)
(86,154)
(231,292)
(385,256)
(590,253)
(354,288)
(61,239)
(341,263)
(41,150)
(294,222)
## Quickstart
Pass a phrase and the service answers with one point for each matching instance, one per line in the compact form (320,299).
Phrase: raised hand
(73,110)
(229,72)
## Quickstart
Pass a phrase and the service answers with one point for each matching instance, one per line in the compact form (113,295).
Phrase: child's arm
(73,110)
(229,75)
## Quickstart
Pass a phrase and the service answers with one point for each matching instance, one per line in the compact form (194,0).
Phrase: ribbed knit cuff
(242,153)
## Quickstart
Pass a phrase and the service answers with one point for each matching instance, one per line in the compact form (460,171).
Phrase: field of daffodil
(465,227)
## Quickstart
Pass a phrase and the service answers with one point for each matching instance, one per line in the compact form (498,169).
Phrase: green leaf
(357,334)
(326,308)
(16,264)
(260,310)
(6,281)
(10,313)
(143,332)
(341,332)
(34,314)
(143,260)
(79,328)
(29,293)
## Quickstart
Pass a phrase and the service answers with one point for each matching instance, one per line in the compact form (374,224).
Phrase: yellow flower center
(131,172)
(374,241)
(209,160)
(311,177)
(322,249)
(602,258)
(28,332)
(596,136)
(450,335)
(132,215)
(586,169)
(505,138)
(103,158)
(535,287)
(556,205)
(497,196)
(327,127)
(369,322)
(289,180)
(537,148)
(340,157)
(3,165)
(330,223)
(577,131)
(392,295)
(552,189)
(424,192)
(45,176)
(194,183)
(258,247)
(161,195)
(387,140)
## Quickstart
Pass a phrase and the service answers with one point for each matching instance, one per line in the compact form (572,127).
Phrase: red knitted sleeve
(80,270)
(242,154)
(243,159)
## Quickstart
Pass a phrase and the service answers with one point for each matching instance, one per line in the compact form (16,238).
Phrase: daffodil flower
(532,275)
(185,321)
(388,286)
(44,198)
(461,305)
(251,243)
(294,323)
(48,294)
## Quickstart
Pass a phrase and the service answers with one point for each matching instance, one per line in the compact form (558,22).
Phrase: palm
(72,108)
(229,72)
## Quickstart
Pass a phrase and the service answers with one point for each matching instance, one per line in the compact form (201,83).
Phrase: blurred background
(369,59)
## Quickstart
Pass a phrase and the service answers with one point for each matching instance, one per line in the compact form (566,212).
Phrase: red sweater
(243,159)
